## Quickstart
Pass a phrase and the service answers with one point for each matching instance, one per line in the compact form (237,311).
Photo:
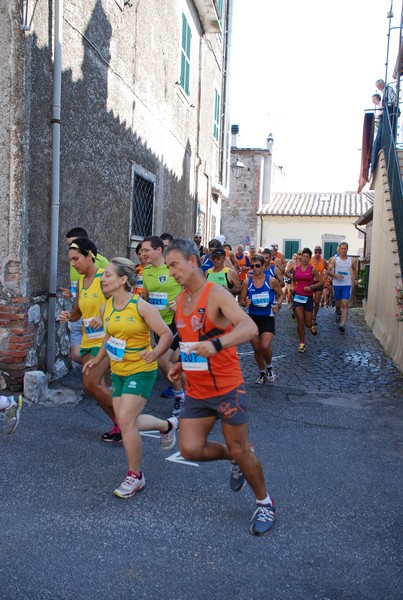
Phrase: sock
(179,392)
(270,366)
(263,373)
(169,428)
(265,501)
(136,475)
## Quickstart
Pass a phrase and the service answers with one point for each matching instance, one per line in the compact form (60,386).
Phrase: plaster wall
(380,308)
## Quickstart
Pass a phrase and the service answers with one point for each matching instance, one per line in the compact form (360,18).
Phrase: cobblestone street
(352,363)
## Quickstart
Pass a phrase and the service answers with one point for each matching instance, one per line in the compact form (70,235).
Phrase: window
(219,10)
(291,247)
(217,111)
(185,56)
(329,249)
(142,206)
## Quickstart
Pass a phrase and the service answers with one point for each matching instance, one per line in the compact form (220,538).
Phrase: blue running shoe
(263,519)
(168,393)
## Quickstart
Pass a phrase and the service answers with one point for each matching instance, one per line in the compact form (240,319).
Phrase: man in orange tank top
(320,264)
(204,317)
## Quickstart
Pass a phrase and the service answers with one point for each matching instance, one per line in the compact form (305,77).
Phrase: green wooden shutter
(185,56)
(217,106)
(290,248)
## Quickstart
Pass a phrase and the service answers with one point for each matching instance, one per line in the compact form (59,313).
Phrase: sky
(305,71)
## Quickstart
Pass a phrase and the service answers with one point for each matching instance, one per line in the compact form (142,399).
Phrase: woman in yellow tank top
(128,320)
(87,304)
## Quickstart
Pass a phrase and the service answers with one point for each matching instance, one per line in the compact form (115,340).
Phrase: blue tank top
(261,298)
(208,263)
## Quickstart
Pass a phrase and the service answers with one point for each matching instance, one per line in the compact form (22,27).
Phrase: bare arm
(274,284)
(223,309)
(243,297)
(154,321)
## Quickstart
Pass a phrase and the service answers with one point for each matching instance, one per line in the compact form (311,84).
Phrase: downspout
(54,227)
(199,160)
(222,188)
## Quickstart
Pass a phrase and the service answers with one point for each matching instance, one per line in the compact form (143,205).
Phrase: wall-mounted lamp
(237,167)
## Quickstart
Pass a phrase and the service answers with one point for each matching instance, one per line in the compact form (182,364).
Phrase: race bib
(344,273)
(73,288)
(191,361)
(93,334)
(159,300)
(139,282)
(262,299)
(115,348)
(300,299)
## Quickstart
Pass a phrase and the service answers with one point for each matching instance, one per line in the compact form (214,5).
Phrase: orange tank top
(205,378)
(319,266)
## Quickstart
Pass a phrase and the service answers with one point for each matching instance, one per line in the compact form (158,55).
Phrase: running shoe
(13,413)
(237,479)
(114,435)
(314,330)
(270,374)
(261,379)
(301,348)
(315,323)
(338,316)
(178,405)
(263,519)
(168,439)
(168,393)
(342,329)
(130,486)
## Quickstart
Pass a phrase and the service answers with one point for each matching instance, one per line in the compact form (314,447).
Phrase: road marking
(153,433)
(178,458)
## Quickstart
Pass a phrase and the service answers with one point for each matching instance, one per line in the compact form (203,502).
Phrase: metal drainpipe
(54,229)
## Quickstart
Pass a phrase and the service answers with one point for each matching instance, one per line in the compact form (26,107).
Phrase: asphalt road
(328,434)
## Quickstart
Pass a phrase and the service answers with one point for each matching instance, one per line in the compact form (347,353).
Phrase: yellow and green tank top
(219,277)
(162,290)
(101,263)
(90,300)
(130,335)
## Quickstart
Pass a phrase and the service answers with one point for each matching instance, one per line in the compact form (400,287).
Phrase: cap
(198,234)
(218,252)
(220,238)
(266,251)
(274,245)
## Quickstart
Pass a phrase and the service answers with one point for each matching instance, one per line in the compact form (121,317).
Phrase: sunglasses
(318,251)
(257,266)
(197,237)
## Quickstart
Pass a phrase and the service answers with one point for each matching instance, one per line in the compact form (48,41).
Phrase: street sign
(247,240)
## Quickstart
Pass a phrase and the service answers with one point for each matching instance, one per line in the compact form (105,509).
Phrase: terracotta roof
(318,204)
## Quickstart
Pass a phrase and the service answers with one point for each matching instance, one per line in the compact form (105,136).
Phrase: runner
(10,411)
(214,382)
(197,238)
(87,305)
(320,265)
(75,328)
(243,262)
(306,279)
(276,254)
(161,290)
(128,320)
(141,255)
(221,275)
(206,261)
(259,295)
(273,269)
(344,270)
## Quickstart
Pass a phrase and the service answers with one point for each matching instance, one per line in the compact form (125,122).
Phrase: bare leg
(151,423)
(257,349)
(299,313)
(236,437)
(266,339)
(128,408)
(344,312)
(92,384)
(193,442)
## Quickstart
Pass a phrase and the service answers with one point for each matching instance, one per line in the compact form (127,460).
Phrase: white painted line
(178,458)
(153,433)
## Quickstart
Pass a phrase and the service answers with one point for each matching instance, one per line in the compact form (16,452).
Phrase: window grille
(185,56)
(142,206)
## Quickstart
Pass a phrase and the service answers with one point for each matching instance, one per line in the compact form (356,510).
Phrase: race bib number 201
(190,360)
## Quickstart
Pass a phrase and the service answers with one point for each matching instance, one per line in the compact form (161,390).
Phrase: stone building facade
(144,143)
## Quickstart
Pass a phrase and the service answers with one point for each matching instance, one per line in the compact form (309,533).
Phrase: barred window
(142,206)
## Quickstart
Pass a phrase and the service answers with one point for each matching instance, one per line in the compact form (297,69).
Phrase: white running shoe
(12,413)
(130,486)
(271,376)
(168,439)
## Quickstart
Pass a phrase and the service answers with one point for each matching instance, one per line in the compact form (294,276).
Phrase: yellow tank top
(90,300)
(130,335)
